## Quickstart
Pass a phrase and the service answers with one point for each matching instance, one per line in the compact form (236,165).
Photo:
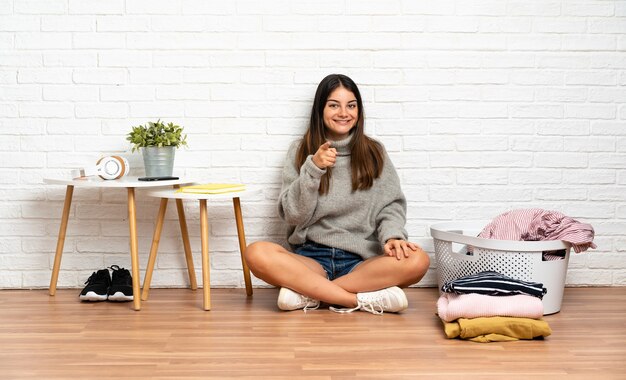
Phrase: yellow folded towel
(488,329)
(212,188)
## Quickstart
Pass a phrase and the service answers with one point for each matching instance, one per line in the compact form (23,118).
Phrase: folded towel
(489,329)
(453,306)
(493,283)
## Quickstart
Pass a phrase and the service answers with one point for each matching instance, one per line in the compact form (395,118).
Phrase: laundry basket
(459,252)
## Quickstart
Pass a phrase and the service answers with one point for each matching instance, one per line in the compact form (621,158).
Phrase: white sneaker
(289,300)
(390,299)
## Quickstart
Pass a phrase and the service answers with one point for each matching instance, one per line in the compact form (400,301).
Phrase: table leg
(241,234)
(134,255)
(204,238)
(185,235)
(61,239)
(156,237)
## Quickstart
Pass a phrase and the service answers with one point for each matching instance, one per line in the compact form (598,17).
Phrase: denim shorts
(336,262)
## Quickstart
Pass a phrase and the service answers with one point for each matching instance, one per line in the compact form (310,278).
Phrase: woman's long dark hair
(367,157)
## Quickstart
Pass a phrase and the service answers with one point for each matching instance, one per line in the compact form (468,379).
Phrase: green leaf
(156,134)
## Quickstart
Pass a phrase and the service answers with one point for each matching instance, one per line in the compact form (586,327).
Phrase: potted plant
(157,142)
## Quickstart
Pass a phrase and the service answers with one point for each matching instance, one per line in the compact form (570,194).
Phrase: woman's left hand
(399,248)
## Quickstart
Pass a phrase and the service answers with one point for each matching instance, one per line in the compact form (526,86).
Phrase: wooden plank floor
(59,337)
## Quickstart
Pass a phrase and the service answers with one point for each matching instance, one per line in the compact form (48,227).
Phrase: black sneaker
(121,288)
(97,288)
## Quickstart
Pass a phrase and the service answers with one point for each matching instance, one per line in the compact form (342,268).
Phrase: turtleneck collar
(342,146)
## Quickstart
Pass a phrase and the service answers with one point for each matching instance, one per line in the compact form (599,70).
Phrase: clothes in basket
(539,224)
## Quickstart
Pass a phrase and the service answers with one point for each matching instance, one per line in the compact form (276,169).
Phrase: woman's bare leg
(275,265)
(384,271)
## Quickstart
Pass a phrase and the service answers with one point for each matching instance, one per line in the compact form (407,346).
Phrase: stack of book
(213,188)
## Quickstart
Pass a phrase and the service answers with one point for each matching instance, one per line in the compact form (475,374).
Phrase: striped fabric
(494,284)
(553,255)
(538,224)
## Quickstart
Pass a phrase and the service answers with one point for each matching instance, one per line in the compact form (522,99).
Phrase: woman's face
(341,113)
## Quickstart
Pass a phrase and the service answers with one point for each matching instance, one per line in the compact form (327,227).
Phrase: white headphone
(109,167)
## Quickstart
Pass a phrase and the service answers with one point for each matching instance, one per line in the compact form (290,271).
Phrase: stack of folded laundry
(492,307)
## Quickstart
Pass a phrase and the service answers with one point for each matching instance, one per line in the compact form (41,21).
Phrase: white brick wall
(483,105)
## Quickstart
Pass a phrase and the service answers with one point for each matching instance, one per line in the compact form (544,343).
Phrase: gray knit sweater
(359,222)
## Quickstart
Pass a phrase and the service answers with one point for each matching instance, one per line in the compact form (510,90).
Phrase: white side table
(165,195)
(129,183)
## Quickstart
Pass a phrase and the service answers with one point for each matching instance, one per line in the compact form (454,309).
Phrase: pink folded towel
(452,306)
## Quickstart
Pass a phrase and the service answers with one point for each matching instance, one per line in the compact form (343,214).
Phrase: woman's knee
(416,266)
(256,255)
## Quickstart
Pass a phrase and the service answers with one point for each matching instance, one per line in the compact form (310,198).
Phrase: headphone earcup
(112,167)
(124,165)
